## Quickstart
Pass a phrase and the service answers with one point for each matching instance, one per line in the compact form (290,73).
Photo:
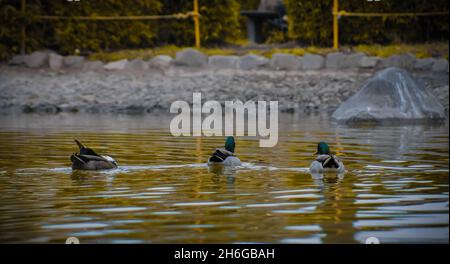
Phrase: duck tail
(331,162)
(218,156)
(79,144)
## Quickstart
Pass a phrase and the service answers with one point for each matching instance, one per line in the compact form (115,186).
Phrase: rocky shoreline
(300,84)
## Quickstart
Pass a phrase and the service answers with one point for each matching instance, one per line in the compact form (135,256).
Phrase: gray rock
(424,64)
(440,65)
(17,60)
(137,65)
(335,60)
(288,62)
(36,59)
(354,60)
(252,61)
(313,62)
(405,61)
(369,62)
(224,62)
(55,61)
(116,65)
(390,96)
(75,62)
(93,66)
(191,57)
(161,62)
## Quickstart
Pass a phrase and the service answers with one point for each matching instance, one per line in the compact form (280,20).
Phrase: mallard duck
(326,161)
(225,156)
(87,159)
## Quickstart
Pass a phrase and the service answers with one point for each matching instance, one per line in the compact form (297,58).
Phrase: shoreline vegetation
(421,51)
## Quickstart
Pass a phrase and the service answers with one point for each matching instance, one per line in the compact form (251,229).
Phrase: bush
(219,22)
(311,22)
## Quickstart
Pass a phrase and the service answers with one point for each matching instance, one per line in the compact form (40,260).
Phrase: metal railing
(342,13)
(194,14)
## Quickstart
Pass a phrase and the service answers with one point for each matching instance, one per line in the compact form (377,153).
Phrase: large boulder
(335,60)
(405,61)
(137,65)
(440,65)
(288,62)
(160,62)
(313,62)
(252,61)
(354,60)
(55,61)
(75,62)
(36,59)
(191,58)
(17,60)
(424,64)
(390,96)
(93,66)
(369,62)
(224,62)
(116,65)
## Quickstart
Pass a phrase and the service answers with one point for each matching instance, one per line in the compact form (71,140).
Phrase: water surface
(395,189)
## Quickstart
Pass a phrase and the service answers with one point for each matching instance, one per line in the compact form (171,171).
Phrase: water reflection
(395,187)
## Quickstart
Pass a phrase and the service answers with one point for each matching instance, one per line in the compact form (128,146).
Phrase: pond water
(395,188)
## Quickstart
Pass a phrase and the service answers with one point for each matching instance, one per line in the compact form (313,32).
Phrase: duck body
(88,159)
(325,161)
(225,156)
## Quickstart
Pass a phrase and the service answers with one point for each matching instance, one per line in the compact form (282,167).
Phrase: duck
(88,159)
(325,161)
(225,156)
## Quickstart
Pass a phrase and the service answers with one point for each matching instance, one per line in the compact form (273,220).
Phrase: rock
(252,61)
(55,61)
(440,65)
(36,59)
(116,65)
(191,57)
(224,62)
(390,96)
(137,65)
(93,66)
(369,62)
(17,60)
(335,60)
(288,62)
(160,62)
(313,62)
(424,64)
(75,62)
(405,61)
(354,60)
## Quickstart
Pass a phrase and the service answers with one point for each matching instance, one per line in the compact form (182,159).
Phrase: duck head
(323,149)
(230,144)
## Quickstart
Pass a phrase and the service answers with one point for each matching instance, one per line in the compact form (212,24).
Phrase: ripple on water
(76,225)
(119,209)
(308,228)
(201,203)
(312,239)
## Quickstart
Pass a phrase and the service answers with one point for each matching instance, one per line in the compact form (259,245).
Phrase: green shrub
(311,22)
(219,22)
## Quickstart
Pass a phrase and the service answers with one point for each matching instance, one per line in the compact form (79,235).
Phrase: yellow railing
(341,13)
(194,14)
